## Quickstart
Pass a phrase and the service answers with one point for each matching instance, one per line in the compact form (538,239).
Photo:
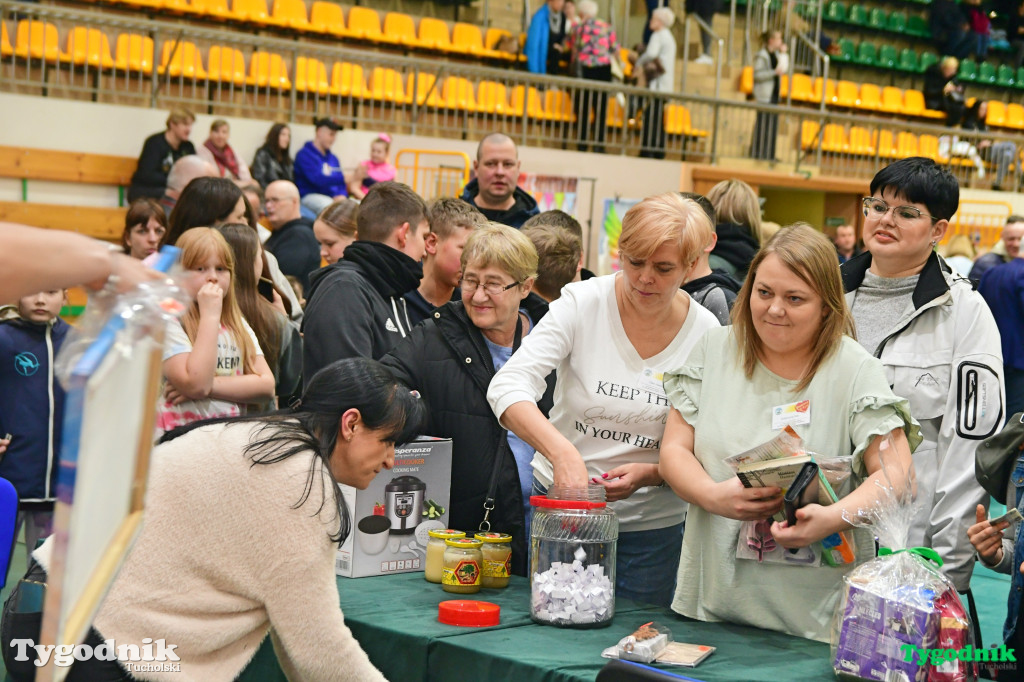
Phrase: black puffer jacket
(446,359)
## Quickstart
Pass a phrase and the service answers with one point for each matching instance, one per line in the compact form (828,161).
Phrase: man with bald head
(494,190)
(185,170)
(1005,251)
(292,241)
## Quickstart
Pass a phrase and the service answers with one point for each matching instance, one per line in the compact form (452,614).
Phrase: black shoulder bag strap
(492,488)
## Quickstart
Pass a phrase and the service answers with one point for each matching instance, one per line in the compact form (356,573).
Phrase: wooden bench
(25,164)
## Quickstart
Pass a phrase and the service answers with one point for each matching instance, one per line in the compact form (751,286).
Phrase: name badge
(793,414)
(327,168)
(651,381)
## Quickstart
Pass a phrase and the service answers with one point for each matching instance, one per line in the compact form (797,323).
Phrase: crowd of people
(472,318)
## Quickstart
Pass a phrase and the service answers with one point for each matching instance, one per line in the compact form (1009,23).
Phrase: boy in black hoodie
(714,289)
(31,407)
(355,306)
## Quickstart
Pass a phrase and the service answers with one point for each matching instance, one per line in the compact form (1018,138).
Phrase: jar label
(464,573)
(498,569)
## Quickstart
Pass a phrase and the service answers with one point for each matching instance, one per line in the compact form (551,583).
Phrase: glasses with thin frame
(492,289)
(876,208)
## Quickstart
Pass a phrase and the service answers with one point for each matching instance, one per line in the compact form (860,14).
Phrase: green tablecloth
(395,620)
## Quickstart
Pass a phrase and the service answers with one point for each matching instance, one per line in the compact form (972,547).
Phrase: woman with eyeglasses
(451,357)
(939,344)
(609,340)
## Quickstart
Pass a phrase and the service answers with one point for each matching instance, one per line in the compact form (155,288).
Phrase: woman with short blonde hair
(610,339)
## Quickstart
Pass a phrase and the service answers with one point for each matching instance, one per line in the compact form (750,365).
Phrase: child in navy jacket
(31,407)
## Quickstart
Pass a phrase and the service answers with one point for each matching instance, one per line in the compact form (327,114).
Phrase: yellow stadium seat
(458,94)
(386,86)
(175,6)
(1015,116)
(677,122)
(809,134)
(928,147)
(398,29)
(558,105)
(783,87)
(616,117)
(348,80)
(181,60)
(534,107)
(906,145)
(253,11)
(492,98)
(846,94)
(830,90)
(291,14)
(37,40)
(491,40)
(913,103)
(364,24)
(870,98)
(268,70)
(311,76)
(88,46)
(6,49)
(226,64)
(434,35)
(996,114)
(886,144)
(427,90)
(467,39)
(211,8)
(892,100)
(747,80)
(326,17)
(834,139)
(861,142)
(134,53)
(803,88)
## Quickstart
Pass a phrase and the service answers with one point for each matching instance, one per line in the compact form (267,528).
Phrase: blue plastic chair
(8,519)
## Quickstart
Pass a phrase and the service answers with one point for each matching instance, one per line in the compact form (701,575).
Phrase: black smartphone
(266,289)
(802,492)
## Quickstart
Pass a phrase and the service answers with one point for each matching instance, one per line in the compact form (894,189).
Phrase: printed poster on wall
(551,191)
(608,249)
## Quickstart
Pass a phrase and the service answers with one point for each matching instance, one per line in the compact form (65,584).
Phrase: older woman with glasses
(610,339)
(451,358)
(939,345)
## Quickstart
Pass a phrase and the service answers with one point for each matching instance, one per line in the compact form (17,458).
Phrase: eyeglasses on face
(876,208)
(492,289)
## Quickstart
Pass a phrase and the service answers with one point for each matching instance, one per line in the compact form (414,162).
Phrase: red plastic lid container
(468,613)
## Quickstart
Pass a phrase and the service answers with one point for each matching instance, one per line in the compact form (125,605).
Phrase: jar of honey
(497,555)
(435,552)
(462,562)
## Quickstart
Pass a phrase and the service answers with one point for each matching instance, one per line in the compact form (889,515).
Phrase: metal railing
(234,74)
(444,176)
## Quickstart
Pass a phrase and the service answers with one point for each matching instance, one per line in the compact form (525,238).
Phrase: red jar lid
(544,501)
(468,613)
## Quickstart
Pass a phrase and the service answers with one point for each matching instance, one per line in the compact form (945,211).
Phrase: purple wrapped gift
(875,629)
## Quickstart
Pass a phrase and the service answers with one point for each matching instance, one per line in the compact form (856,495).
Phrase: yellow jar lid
(463,543)
(494,537)
(446,533)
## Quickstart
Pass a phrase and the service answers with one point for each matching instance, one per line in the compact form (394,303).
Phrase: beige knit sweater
(223,557)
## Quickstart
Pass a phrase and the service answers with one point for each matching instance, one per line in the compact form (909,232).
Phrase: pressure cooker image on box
(404,499)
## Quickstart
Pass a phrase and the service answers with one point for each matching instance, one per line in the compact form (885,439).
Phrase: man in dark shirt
(494,191)
(159,153)
(292,241)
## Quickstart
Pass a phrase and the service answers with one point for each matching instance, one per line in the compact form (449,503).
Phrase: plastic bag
(899,618)
(126,319)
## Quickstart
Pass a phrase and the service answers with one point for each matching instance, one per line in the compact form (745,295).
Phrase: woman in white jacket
(661,47)
(770,63)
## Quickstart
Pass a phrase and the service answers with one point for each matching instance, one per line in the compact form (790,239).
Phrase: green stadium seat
(846,50)
(1005,76)
(858,16)
(1019,80)
(898,22)
(987,73)
(927,59)
(918,26)
(887,56)
(908,60)
(835,11)
(878,19)
(867,54)
(968,71)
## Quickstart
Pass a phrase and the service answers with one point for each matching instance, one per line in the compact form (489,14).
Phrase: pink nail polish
(604,475)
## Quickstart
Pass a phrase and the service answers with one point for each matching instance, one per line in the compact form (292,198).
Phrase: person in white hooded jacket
(939,344)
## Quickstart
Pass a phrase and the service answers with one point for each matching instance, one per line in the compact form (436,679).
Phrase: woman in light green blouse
(790,343)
